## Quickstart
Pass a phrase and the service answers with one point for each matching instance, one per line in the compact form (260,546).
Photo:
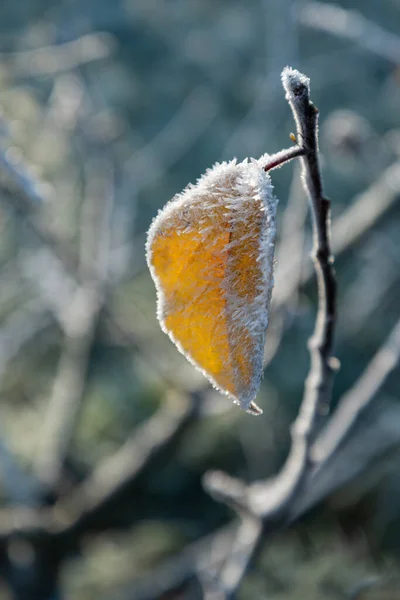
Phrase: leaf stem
(283,156)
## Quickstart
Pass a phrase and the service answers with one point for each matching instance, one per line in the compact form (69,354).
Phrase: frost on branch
(210,252)
(294,83)
(297,87)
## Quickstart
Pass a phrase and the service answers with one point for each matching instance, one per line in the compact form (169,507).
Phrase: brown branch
(318,388)
(283,156)
(271,503)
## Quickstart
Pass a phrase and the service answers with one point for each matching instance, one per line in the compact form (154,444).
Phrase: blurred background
(107,110)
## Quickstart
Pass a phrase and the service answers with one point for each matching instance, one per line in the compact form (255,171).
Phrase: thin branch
(318,389)
(283,156)
(318,386)
(272,502)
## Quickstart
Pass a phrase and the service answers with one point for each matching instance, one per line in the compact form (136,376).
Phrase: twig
(318,387)
(283,156)
(272,503)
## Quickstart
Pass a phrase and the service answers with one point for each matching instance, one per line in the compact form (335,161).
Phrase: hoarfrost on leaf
(210,252)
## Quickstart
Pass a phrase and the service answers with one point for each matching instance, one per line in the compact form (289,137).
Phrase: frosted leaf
(210,251)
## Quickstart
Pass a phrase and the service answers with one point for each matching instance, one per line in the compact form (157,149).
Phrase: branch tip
(295,83)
